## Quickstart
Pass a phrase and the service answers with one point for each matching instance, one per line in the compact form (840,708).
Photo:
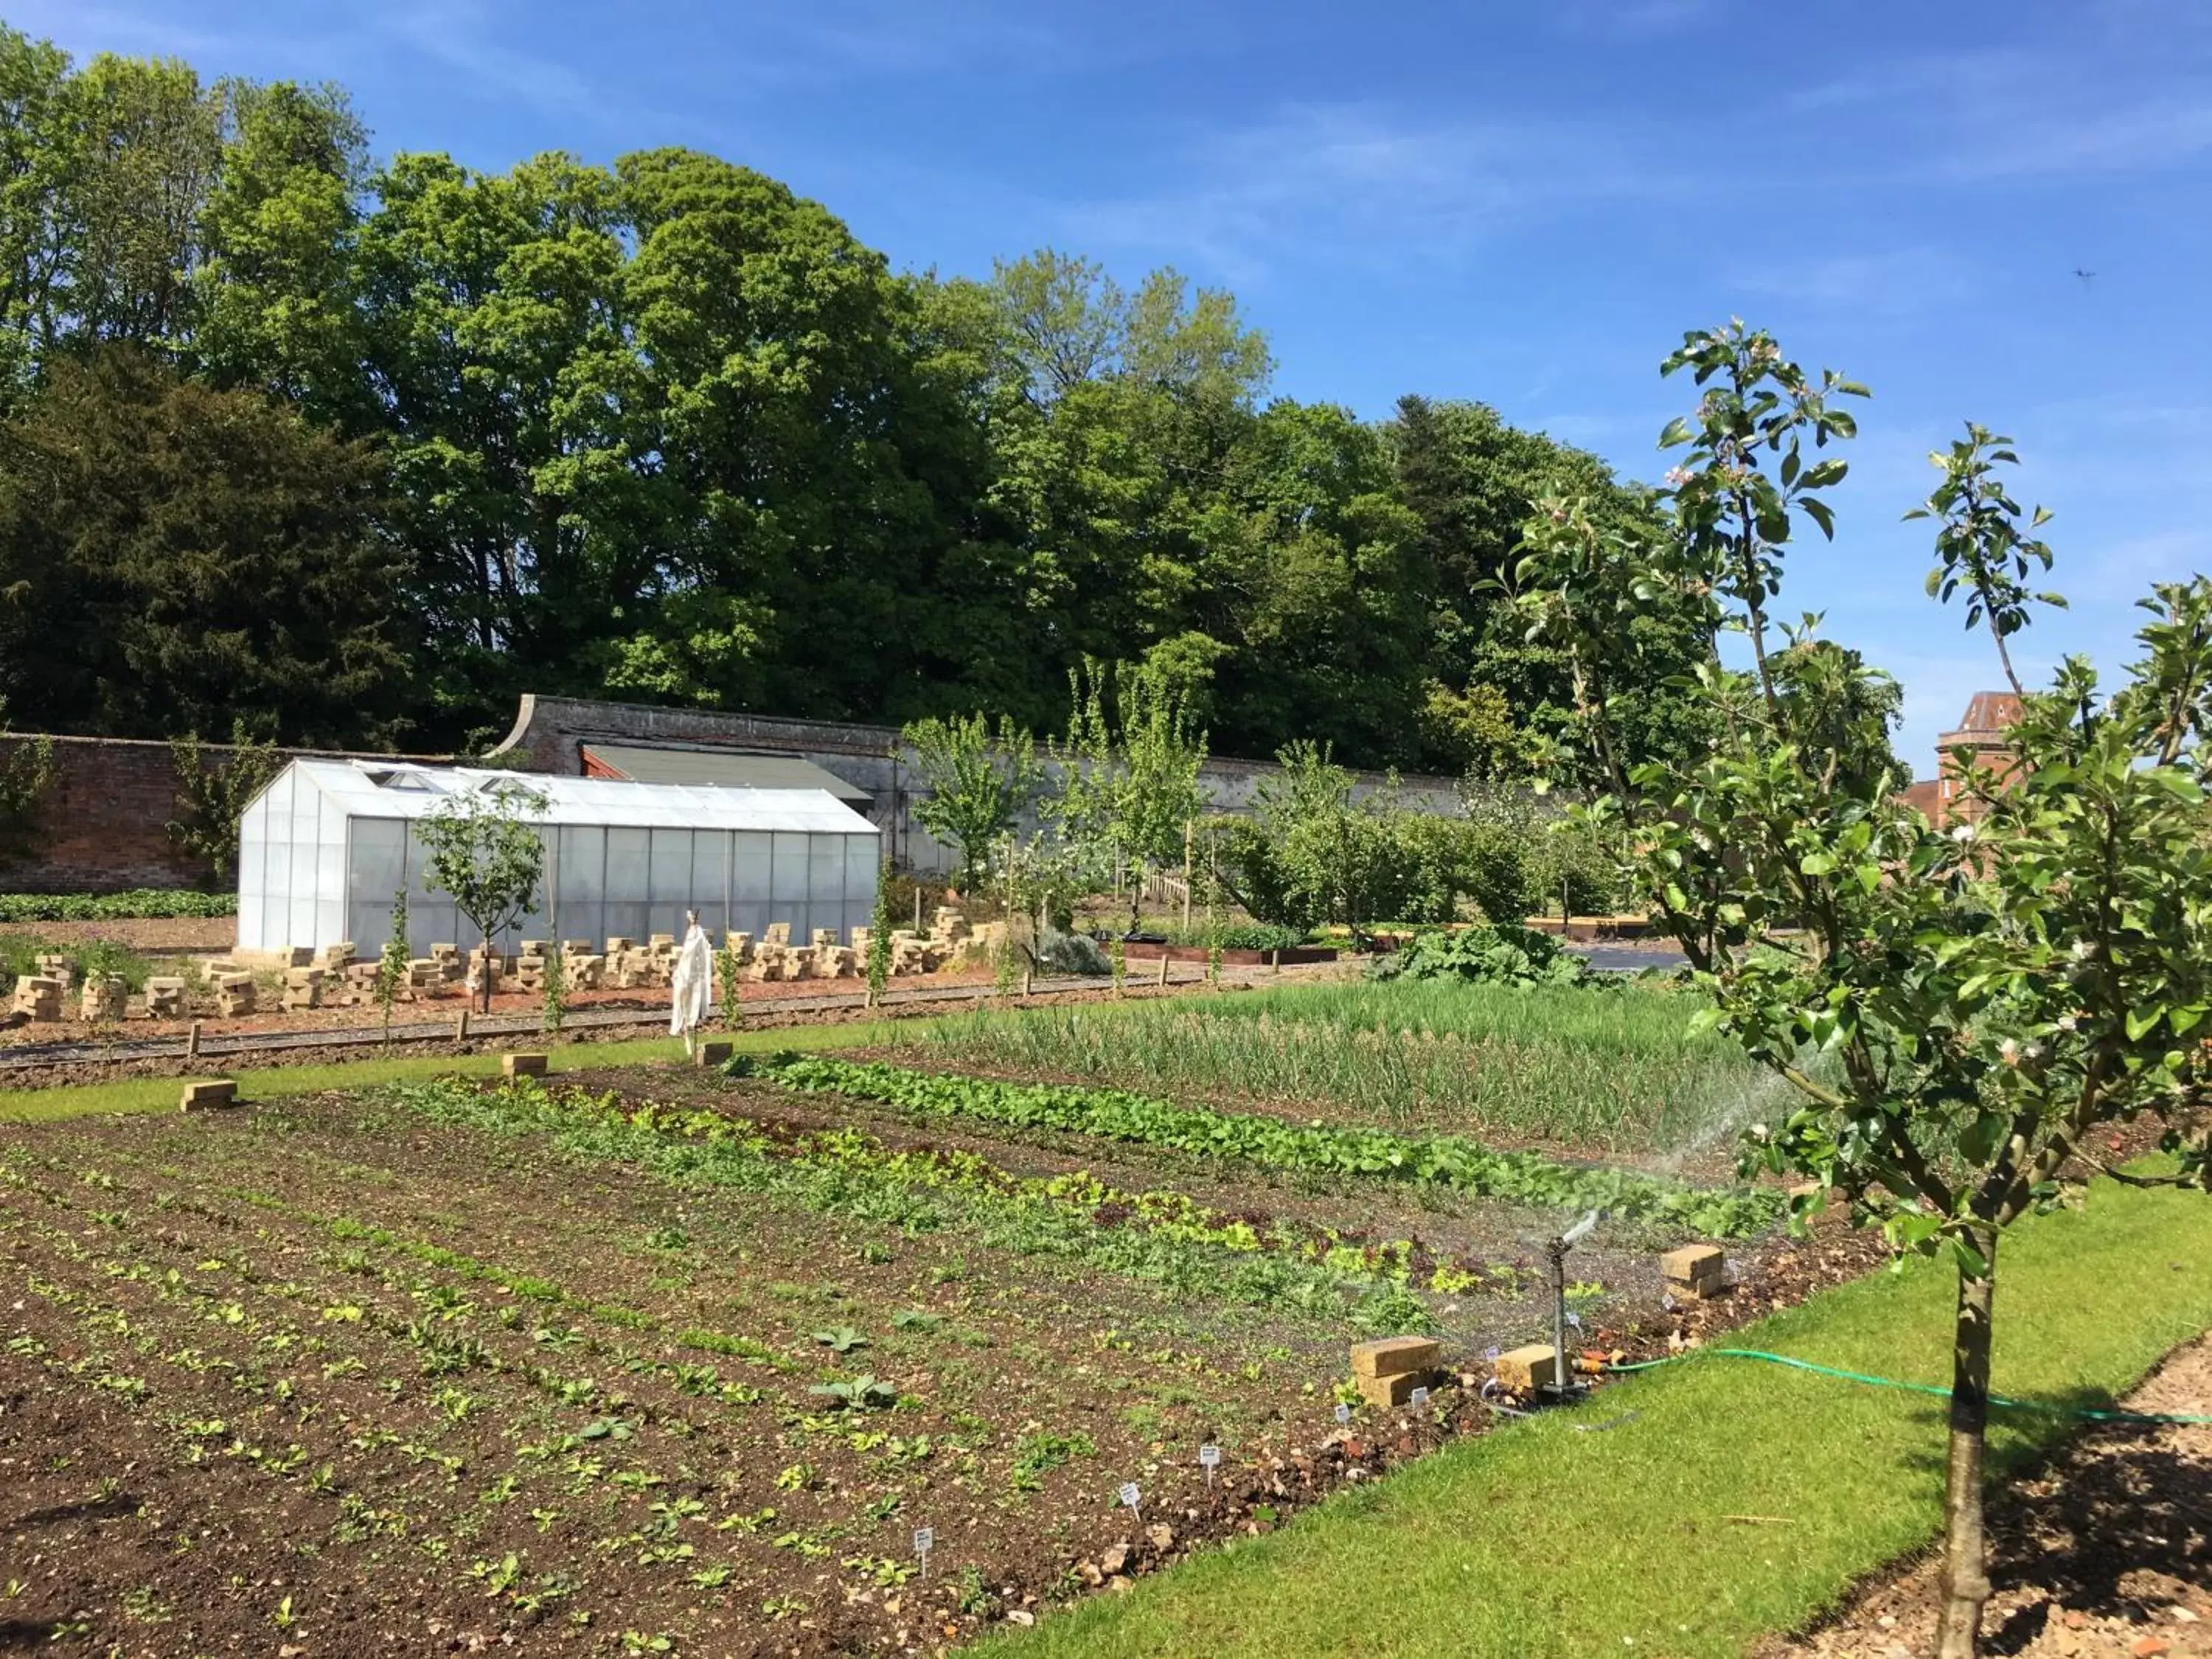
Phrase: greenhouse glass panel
(754,857)
(630,867)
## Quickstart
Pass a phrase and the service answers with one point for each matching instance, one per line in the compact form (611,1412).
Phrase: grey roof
(728,769)
(365,789)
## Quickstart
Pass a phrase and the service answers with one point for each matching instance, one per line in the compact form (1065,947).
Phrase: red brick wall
(103,822)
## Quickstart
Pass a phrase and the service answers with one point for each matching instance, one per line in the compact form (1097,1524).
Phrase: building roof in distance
(372,789)
(714,768)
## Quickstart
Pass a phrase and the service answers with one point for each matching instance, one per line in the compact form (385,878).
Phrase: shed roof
(728,769)
(375,790)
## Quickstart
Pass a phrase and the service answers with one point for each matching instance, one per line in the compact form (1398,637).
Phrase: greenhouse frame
(324,847)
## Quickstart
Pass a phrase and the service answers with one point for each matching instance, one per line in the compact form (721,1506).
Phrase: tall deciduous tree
(1957,1010)
(1128,770)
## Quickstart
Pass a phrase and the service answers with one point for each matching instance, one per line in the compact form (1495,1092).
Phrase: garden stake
(192,1041)
(1163,965)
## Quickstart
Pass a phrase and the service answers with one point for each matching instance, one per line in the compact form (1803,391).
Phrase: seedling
(841,1339)
(861,1391)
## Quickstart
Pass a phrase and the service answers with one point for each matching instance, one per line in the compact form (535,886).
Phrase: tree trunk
(1965,1575)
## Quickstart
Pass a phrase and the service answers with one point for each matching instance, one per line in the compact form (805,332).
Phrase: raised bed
(1290,955)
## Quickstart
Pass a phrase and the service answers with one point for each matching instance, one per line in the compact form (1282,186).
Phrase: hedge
(141,903)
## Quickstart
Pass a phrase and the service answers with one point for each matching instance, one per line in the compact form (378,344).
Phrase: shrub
(1490,955)
(141,903)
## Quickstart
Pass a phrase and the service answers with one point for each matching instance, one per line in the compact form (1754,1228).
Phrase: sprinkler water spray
(1565,1385)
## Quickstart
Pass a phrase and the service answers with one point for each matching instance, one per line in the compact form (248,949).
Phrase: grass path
(160,1093)
(1549,1540)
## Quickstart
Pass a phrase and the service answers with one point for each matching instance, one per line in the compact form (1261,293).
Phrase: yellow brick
(1526,1369)
(522,1064)
(206,1094)
(1389,1356)
(1394,1389)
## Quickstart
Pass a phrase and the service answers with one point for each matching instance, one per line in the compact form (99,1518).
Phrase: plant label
(1344,1414)
(1491,1355)
(1574,1319)
(1129,1495)
(925,1539)
(1209,1459)
(1420,1399)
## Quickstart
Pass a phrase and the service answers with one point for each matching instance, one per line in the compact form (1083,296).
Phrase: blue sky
(1524,203)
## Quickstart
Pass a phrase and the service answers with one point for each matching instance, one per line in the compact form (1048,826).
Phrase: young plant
(211,799)
(556,989)
(733,1002)
(391,962)
(1958,1008)
(879,939)
(483,853)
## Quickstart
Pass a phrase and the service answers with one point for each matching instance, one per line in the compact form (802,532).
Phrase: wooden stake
(192,1041)
(461,1026)
(1163,965)
(1187,829)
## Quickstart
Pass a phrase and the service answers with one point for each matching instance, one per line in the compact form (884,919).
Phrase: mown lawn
(161,1094)
(1603,1530)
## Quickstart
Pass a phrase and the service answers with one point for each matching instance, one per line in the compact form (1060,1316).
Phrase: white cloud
(1357,184)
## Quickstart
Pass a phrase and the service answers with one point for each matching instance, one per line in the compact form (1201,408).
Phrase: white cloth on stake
(692,985)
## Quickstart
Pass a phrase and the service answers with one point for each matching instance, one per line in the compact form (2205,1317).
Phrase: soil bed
(293,1374)
(2105,1550)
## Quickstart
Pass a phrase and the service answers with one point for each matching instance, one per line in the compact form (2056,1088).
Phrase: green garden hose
(1998,1401)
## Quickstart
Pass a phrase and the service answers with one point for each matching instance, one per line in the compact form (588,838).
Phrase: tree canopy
(356,448)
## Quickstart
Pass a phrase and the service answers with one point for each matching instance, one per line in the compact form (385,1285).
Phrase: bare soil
(167,935)
(2105,1550)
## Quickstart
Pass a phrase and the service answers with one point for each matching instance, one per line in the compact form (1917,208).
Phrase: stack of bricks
(770,961)
(448,959)
(303,988)
(165,998)
(106,997)
(739,947)
(337,958)
(581,968)
(1388,1370)
(1696,1273)
(39,996)
(948,927)
(832,960)
(54,966)
(530,968)
(233,994)
(425,974)
(913,954)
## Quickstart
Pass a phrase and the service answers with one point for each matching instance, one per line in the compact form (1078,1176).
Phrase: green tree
(1980,543)
(483,854)
(1957,1012)
(212,797)
(189,557)
(1128,770)
(979,781)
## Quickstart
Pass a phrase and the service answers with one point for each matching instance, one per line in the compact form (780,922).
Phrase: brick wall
(103,822)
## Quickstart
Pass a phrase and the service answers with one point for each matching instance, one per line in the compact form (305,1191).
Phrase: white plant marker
(1420,1399)
(925,1539)
(1344,1414)
(1209,1459)
(1129,1497)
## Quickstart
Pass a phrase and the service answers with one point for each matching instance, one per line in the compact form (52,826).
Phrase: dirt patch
(2106,1550)
(167,935)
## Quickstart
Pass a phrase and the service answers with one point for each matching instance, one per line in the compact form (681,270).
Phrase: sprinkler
(1564,1384)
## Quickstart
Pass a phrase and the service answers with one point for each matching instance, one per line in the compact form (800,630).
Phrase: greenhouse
(324,847)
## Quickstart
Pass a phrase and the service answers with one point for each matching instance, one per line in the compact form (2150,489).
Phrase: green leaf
(1816,864)
(2141,1024)
(1819,512)
(1677,433)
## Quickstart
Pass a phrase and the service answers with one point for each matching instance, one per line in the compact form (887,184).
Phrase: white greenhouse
(324,847)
